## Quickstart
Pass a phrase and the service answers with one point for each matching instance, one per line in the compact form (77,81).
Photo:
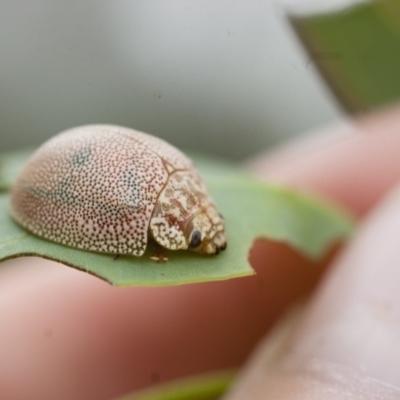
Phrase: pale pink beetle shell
(95,188)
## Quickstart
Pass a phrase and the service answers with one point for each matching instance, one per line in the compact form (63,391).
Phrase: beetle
(111,189)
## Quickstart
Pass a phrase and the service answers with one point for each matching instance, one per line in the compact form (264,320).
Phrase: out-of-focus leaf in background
(203,387)
(357,50)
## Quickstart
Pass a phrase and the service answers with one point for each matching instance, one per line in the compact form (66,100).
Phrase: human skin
(65,334)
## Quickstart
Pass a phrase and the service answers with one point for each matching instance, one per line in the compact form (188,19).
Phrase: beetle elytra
(110,189)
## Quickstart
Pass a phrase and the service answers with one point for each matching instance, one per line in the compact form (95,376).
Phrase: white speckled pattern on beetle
(107,189)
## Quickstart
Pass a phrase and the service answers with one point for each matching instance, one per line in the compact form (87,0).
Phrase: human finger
(347,343)
(96,341)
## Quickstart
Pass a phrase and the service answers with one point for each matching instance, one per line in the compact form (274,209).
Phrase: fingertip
(354,163)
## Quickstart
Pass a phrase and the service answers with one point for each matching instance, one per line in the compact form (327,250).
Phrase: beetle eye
(196,239)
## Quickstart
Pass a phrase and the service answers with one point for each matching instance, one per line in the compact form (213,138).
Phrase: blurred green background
(223,77)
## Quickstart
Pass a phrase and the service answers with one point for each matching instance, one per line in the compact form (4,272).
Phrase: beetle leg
(116,257)
(158,253)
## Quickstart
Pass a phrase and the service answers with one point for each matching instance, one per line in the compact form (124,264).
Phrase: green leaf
(10,165)
(203,387)
(357,50)
(252,209)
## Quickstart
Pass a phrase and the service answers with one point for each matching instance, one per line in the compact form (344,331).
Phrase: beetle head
(205,232)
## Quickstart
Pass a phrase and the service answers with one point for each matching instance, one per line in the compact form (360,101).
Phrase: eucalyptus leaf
(10,165)
(251,208)
(202,387)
